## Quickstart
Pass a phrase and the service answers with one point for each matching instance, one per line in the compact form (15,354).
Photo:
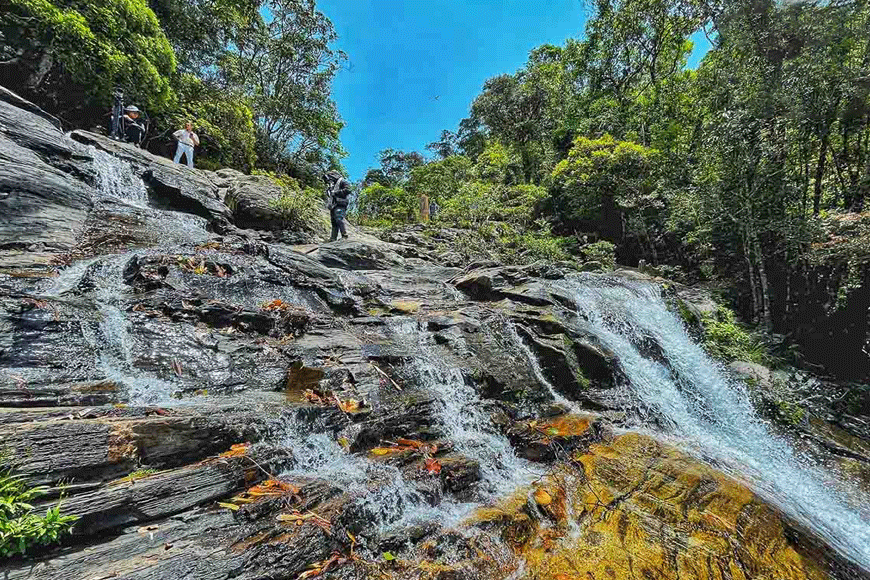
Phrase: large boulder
(637,508)
(249,197)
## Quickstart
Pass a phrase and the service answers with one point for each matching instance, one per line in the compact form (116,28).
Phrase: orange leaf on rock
(276,304)
(432,466)
(350,406)
(543,498)
(237,450)
(410,443)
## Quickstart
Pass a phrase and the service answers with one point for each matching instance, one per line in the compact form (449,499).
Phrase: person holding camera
(338,192)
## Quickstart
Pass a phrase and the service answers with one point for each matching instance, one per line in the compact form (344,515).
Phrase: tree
(201,30)
(386,205)
(440,180)
(285,65)
(395,169)
(603,183)
(69,55)
(446,146)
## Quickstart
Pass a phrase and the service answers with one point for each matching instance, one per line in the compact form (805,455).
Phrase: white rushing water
(695,401)
(463,418)
(380,491)
(111,338)
(115,178)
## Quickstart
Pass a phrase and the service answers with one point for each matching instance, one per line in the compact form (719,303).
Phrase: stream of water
(117,186)
(462,416)
(387,498)
(695,402)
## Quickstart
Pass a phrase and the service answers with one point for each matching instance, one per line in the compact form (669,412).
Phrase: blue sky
(415,67)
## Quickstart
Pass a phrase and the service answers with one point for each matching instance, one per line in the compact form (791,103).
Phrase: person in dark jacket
(339,193)
(134,131)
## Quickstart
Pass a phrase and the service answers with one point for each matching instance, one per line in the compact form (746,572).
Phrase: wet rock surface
(214,403)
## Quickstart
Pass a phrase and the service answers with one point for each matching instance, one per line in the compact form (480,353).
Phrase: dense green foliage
(254,76)
(285,66)
(20,527)
(77,51)
(222,120)
(728,341)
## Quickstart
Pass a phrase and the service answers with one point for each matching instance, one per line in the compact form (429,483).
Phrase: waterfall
(380,490)
(697,404)
(116,178)
(118,187)
(463,418)
(111,337)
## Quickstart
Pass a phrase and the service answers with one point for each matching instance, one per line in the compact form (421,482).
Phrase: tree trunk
(750,269)
(820,173)
(764,287)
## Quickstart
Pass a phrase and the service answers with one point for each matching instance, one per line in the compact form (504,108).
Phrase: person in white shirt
(187,140)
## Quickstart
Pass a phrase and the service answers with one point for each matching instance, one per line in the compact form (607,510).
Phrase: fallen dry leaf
(237,450)
(381,451)
(432,466)
(300,518)
(543,498)
(276,304)
(350,405)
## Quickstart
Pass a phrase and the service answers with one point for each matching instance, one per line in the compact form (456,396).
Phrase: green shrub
(726,340)
(607,186)
(379,205)
(299,206)
(20,528)
(602,252)
(222,119)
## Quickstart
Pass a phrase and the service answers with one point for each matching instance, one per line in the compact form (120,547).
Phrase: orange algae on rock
(638,509)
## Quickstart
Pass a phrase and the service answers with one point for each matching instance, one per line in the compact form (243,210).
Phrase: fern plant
(20,527)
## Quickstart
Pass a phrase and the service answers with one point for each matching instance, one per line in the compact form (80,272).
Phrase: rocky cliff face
(217,398)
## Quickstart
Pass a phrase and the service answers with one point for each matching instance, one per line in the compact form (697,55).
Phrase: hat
(131,109)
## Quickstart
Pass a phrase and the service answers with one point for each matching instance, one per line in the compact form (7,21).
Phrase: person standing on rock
(187,140)
(339,192)
(134,131)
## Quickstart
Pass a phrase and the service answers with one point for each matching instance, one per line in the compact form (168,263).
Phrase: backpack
(336,190)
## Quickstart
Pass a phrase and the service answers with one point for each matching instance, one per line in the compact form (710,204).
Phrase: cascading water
(463,417)
(697,404)
(115,178)
(381,491)
(118,186)
(110,337)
